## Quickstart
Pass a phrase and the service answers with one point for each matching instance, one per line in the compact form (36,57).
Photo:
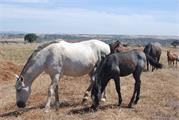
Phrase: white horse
(57,59)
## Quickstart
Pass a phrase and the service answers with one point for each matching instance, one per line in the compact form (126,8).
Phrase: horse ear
(17,77)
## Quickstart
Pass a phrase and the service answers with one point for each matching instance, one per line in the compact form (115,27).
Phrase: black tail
(153,62)
(177,58)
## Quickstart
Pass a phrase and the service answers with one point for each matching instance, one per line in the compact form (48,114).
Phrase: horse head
(147,48)
(95,95)
(168,52)
(114,46)
(22,91)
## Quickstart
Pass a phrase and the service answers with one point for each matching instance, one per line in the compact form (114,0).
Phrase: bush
(175,43)
(31,37)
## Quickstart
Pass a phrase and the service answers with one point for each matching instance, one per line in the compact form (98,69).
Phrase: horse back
(127,62)
(77,59)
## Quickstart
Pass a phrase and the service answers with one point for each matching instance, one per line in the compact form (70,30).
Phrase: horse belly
(126,72)
(127,69)
(77,69)
(79,65)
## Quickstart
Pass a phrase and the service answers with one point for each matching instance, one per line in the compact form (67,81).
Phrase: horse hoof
(46,110)
(119,105)
(103,100)
(135,102)
(129,106)
(57,105)
(94,108)
(84,101)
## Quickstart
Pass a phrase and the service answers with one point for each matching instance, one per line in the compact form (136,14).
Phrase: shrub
(31,37)
(175,43)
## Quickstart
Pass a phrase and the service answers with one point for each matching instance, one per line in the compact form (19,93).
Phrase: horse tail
(153,62)
(177,58)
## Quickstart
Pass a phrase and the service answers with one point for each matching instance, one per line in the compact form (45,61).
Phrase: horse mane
(43,45)
(39,48)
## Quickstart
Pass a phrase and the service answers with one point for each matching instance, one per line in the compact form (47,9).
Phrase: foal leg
(136,76)
(132,99)
(118,89)
(147,65)
(138,91)
(53,92)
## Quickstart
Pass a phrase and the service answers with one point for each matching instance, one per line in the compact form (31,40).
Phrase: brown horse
(117,46)
(172,58)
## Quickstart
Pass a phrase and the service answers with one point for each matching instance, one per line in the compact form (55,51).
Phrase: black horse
(154,51)
(117,65)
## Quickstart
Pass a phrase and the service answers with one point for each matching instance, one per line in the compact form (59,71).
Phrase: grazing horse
(153,50)
(118,65)
(57,59)
(117,47)
(172,58)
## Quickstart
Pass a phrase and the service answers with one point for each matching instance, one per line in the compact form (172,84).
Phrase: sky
(123,17)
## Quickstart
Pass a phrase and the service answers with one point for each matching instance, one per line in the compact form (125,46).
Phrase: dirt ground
(159,93)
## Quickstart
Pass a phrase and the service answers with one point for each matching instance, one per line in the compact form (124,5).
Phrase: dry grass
(159,93)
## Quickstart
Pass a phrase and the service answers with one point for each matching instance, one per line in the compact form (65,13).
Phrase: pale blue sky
(136,17)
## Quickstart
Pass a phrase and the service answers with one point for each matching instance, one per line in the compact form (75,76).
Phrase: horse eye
(21,79)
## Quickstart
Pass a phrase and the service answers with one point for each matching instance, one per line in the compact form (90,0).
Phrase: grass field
(159,93)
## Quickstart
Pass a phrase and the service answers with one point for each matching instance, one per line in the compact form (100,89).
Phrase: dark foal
(118,65)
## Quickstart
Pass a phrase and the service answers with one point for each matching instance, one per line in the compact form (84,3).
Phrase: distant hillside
(129,39)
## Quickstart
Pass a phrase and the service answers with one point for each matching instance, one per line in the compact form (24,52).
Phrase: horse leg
(176,63)
(158,59)
(138,90)
(118,89)
(86,95)
(147,65)
(136,76)
(53,92)
(153,68)
(103,86)
(57,103)
(104,96)
(87,92)
(168,62)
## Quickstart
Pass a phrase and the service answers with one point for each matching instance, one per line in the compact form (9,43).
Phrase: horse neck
(32,69)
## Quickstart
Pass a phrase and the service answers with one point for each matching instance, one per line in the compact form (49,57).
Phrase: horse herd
(99,60)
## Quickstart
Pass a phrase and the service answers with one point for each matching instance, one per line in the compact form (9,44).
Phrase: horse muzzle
(20,104)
